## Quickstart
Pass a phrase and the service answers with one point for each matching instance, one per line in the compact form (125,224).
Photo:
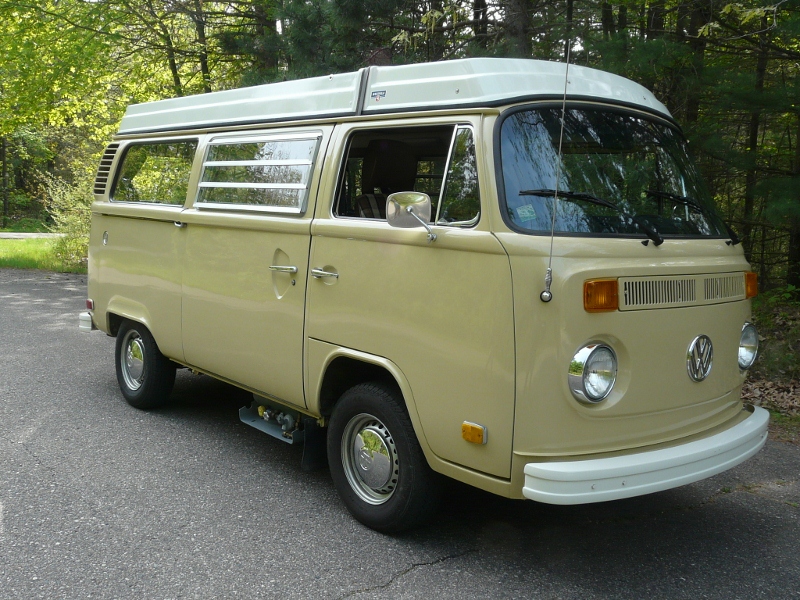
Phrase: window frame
(474,221)
(272,136)
(456,125)
(122,153)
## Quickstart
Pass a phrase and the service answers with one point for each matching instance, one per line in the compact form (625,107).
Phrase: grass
(34,254)
(25,225)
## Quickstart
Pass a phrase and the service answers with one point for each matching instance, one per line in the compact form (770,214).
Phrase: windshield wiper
(651,231)
(691,202)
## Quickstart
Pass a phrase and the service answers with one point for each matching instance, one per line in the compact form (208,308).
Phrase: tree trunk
(480,16)
(699,17)
(751,175)
(166,38)
(655,19)
(518,28)
(568,41)
(622,18)
(4,152)
(793,270)
(199,19)
(607,20)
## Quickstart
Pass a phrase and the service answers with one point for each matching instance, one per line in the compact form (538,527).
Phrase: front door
(441,311)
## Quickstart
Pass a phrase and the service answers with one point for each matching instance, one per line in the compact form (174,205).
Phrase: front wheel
(145,376)
(376,463)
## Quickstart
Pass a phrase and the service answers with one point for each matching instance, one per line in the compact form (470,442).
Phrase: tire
(145,376)
(389,486)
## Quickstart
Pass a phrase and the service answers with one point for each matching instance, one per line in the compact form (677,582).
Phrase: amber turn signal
(750,284)
(600,295)
(474,433)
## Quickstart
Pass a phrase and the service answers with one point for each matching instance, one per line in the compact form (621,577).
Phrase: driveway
(100,500)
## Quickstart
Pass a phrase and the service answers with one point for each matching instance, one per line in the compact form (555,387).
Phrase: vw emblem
(699,358)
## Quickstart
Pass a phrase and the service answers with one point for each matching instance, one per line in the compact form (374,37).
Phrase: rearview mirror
(410,209)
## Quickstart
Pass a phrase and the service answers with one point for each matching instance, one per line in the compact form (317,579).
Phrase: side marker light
(474,433)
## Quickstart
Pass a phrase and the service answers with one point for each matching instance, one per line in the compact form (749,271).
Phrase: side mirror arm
(431,236)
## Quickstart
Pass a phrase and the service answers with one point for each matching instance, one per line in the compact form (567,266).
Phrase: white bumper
(85,323)
(600,479)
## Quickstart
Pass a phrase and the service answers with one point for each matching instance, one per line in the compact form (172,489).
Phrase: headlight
(748,346)
(592,373)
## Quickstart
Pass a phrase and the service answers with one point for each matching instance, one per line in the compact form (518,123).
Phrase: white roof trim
(407,88)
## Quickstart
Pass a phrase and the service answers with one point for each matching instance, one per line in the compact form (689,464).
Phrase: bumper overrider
(601,479)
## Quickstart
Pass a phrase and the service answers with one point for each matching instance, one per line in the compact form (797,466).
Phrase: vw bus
(505,272)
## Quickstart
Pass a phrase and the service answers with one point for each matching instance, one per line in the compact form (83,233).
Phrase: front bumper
(600,479)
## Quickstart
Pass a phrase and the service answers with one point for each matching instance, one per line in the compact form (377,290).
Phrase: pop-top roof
(429,86)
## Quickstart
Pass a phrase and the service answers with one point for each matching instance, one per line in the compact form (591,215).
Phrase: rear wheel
(145,376)
(376,463)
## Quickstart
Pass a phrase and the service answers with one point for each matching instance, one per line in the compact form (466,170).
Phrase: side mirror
(410,209)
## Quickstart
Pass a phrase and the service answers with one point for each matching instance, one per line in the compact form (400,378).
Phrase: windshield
(637,168)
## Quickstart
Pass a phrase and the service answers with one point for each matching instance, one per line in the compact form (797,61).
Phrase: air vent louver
(724,287)
(641,293)
(101,180)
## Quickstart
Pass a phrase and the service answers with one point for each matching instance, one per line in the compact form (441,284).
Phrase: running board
(280,424)
(290,427)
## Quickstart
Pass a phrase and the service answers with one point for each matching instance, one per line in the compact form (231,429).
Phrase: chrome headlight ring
(592,373)
(748,346)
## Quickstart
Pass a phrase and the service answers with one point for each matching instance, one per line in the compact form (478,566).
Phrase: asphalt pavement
(100,500)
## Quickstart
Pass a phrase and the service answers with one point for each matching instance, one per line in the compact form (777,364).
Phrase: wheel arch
(341,368)
(120,308)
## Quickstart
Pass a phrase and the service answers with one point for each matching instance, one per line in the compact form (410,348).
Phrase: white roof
(469,82)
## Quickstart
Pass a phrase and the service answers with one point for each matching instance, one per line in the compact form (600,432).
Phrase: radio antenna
(547,295)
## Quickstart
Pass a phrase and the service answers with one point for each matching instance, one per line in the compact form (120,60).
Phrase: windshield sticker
(526,212)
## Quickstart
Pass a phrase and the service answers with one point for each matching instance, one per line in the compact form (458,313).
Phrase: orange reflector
(600,295)
(750,284)
(474,433)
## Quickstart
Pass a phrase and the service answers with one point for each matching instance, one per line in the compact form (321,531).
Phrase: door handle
(283,269)
(179,224)
(318,273)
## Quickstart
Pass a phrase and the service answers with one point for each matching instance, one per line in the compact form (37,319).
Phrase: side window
(156,172)
(380,162)
(461,204)
(271,173)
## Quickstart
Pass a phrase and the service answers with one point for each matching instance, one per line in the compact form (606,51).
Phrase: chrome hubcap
(369,457)
(132,360)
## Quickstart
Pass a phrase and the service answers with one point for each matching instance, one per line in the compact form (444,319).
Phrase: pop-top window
(618,173)
(270,174)
(155,172)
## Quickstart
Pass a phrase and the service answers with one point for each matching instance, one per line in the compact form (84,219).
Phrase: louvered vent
(659,292)
(724,287)
(640,293)
(101,180)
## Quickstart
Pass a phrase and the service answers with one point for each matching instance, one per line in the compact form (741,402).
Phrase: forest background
(728,72)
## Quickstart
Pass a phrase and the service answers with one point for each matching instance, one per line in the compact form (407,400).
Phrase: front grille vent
(651,292)
(724,287)
(641,293)
(101,179)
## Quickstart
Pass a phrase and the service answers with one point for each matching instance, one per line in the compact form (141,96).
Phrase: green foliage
(728,73)
(777,316)
(70,207)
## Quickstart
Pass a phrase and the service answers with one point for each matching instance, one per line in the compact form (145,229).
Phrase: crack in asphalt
(398,575)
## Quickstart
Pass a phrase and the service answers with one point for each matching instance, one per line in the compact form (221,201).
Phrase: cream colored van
(488,269)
